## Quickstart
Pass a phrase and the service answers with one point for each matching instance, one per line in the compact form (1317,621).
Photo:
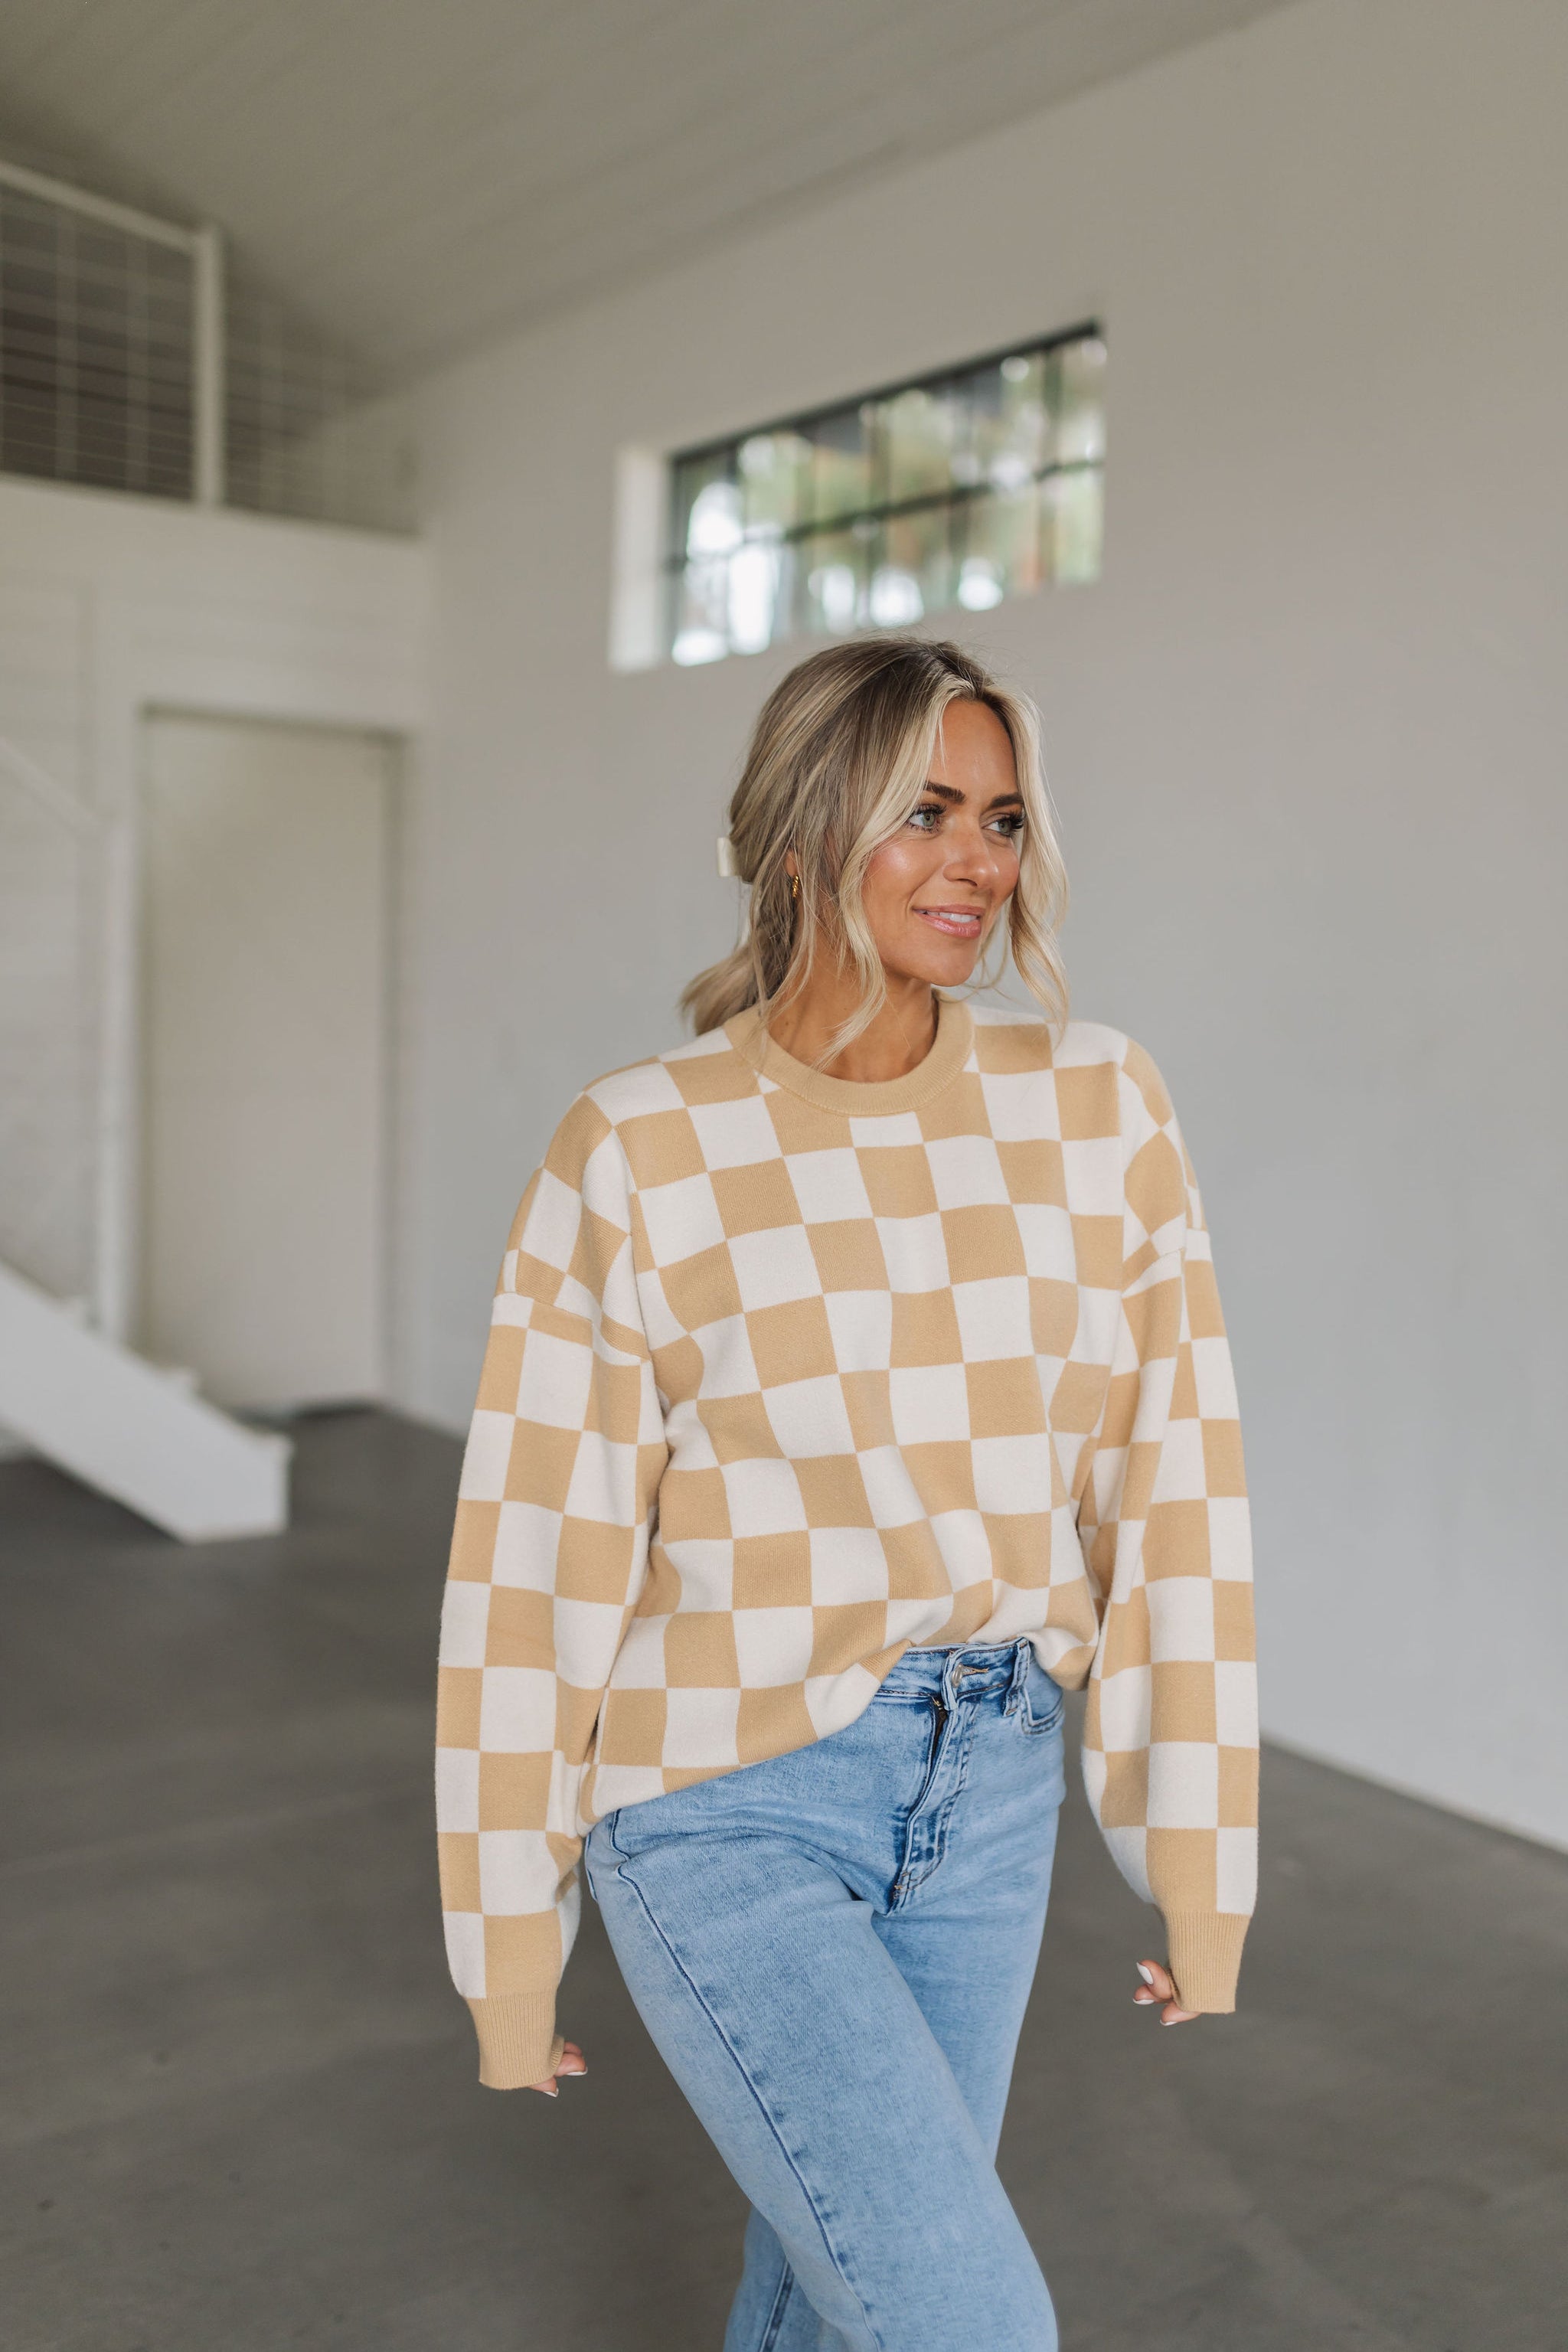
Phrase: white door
(264,1058)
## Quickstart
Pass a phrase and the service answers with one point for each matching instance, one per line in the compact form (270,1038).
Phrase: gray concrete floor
(238,2105)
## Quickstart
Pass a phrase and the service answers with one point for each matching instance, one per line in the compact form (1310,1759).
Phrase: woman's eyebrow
(956,799)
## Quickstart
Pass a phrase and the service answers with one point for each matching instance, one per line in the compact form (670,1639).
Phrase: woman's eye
(926,820)
(1011,825)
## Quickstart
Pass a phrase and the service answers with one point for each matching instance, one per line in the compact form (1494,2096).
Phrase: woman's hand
(1157,1987)
(571,2062)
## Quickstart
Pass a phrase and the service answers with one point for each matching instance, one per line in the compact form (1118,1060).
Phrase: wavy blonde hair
(839,758)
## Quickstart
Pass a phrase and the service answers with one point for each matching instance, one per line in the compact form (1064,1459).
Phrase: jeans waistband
(962,1670)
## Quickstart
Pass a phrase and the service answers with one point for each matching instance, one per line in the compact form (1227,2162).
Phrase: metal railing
(192,381)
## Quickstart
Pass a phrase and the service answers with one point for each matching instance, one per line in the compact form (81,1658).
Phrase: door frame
(333,633)
(127,981)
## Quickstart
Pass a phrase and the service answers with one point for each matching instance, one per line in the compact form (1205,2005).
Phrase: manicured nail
(550,2092)
(1147,1975)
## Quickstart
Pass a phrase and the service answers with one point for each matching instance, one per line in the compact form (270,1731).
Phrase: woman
(857,1385)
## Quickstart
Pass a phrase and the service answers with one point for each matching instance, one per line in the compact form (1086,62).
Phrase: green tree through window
(960,488)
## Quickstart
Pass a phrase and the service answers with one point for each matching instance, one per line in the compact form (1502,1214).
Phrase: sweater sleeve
(549,1555)
(1171,1728)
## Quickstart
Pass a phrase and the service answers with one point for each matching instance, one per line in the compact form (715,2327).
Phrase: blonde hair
(838,760)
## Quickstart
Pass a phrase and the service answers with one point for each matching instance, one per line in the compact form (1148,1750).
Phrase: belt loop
(1023,1651)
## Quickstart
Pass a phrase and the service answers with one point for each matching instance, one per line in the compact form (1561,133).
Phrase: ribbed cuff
(1205,1957)
(519,2045)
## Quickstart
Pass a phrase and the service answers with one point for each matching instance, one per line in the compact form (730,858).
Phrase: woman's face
(933,893)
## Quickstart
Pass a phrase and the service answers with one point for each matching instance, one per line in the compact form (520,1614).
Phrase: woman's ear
(791,865)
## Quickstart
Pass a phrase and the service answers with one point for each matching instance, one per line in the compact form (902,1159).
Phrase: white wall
(111,606)
(1306,736)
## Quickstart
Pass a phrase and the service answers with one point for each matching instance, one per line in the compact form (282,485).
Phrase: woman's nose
(974,857)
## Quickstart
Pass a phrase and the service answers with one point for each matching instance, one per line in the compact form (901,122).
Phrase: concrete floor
(239,2107)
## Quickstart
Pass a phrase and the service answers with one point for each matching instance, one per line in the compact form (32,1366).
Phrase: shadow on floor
(239,2109)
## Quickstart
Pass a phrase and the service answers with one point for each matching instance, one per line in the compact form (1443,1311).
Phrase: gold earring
(793,887)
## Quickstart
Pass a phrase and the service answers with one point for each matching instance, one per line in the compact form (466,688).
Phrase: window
(960,488)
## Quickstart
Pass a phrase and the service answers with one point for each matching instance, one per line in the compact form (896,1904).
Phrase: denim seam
(780,2307)
(944,1816)
(903,1886)
(760,2103)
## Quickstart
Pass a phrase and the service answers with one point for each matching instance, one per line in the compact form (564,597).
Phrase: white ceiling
(419,174)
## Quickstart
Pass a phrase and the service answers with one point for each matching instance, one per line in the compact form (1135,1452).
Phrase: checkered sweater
(787,1373)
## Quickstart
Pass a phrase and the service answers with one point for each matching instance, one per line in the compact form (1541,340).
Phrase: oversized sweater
(787,1373)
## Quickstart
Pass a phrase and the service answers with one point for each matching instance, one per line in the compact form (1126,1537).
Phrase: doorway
(265,895)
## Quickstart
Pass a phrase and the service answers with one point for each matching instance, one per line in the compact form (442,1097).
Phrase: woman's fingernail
(549,2091)
(1147,1974)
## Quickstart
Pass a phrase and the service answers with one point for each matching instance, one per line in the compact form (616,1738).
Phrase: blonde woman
(855,1387)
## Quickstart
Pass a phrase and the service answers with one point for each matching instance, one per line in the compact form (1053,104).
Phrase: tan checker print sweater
(787,1373)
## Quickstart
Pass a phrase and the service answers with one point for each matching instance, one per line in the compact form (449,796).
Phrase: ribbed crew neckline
(857,1098)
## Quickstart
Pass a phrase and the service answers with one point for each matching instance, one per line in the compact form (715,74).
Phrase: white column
(207,367)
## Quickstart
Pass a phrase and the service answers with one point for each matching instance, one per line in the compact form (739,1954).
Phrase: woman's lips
(958,922)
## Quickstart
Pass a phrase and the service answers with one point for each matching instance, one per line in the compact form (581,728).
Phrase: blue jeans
(832,1950)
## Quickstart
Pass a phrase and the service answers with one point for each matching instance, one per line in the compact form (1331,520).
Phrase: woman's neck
(896,1041)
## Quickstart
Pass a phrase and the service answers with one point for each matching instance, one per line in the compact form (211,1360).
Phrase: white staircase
(135,1432)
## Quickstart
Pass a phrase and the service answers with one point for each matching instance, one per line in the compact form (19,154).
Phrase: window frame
(870,516)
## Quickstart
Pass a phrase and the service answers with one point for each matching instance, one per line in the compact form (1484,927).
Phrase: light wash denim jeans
(832,1951)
